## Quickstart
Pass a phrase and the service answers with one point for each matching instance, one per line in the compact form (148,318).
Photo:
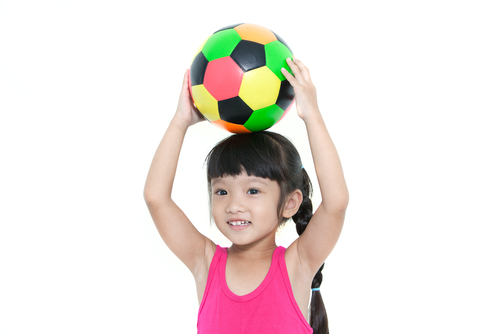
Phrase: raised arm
(323,231)
(176,230)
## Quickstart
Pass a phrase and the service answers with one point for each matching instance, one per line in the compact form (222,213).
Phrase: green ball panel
(221,44)
(276,55)
(264,118)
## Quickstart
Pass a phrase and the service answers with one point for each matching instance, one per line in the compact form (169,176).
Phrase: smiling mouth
(239,223)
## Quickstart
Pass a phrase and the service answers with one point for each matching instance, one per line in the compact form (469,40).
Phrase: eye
(220,192)
(253,191)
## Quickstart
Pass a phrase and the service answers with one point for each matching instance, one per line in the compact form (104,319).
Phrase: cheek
(218,220)
(266,212)
(217,210)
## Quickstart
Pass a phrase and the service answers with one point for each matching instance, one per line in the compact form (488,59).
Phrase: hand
(305,92)
(186,110)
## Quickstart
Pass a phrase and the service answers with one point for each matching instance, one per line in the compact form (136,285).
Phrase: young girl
(256,182)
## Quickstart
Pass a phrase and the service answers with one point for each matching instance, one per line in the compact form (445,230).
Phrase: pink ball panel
(223,78)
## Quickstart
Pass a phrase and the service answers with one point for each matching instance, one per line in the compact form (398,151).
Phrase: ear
(294,200)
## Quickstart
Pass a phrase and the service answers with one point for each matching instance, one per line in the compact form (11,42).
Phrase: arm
(323,231)
(176,230)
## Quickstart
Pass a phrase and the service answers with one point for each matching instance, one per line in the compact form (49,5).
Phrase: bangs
(257,154)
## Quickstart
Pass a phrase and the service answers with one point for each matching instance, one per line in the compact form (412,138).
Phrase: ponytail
(318,319)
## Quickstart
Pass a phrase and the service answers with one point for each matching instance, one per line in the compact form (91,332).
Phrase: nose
(235,205)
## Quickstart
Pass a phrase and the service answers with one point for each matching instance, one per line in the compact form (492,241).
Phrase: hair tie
(315,289)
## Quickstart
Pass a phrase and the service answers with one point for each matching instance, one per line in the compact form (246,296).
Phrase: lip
(238,227)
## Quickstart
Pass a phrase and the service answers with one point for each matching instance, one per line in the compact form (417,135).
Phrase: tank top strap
(288,287)
(279,256)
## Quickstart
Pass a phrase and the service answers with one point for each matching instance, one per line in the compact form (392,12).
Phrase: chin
(240,241)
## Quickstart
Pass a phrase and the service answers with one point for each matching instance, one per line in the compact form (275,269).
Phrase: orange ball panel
(255,33)
(234,128)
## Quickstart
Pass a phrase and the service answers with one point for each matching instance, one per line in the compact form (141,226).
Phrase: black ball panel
(249,55)
(234,110)
(198,68)
(286,95)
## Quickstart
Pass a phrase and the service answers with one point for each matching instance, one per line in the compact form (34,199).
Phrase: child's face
(244,207)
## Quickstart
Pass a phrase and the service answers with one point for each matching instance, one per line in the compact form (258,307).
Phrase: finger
(303,68)
(291,79)
(185,82)
(185,91)
(296,70)
(187,78)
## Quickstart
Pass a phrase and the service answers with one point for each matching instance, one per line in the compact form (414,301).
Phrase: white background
(410,93)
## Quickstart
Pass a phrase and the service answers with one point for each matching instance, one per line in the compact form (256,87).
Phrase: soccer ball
(236,80)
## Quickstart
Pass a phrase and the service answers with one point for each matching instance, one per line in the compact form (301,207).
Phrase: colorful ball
(236,80)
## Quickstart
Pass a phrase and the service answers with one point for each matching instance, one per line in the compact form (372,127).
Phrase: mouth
(238,224)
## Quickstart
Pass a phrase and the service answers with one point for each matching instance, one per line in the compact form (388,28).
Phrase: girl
(256,182)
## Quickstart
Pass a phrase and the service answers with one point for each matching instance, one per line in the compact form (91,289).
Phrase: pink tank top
(271,308)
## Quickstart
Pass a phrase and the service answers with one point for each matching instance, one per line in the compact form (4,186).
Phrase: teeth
(239,222)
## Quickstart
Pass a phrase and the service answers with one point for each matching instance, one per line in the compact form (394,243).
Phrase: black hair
(271,156)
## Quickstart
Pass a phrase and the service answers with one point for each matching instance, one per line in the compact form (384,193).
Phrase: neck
(253,251)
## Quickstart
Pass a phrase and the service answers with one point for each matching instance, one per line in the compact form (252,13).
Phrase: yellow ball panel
(205,103)
(259,88)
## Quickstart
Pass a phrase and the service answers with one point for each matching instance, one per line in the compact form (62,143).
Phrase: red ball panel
(223,78)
